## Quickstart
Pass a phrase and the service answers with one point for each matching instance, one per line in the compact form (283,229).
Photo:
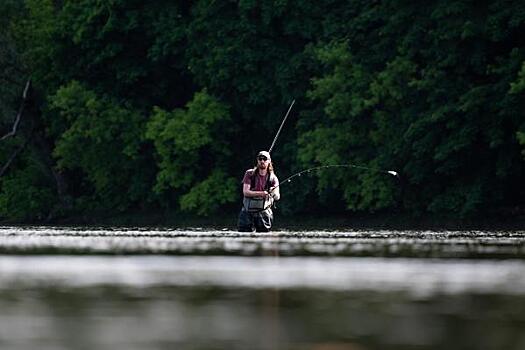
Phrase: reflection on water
(218,318)
(223,290)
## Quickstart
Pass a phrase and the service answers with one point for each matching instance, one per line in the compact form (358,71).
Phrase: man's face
(262,162)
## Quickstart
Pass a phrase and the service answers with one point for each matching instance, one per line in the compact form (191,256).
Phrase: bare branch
(20,111)
(26,89)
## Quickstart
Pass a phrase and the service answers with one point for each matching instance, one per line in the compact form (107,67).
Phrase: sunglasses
(262,158)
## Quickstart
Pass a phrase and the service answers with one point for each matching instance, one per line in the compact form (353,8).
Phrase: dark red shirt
(260,181)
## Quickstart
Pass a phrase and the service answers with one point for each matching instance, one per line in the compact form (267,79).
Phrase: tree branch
(20,111)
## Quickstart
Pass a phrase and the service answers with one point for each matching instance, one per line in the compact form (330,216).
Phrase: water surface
(116,288)
(381,243)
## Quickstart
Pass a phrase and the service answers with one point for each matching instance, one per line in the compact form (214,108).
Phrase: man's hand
(275,194)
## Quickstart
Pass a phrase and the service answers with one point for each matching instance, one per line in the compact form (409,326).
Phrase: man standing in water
(260,189)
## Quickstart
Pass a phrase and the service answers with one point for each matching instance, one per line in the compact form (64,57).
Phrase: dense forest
(125,106)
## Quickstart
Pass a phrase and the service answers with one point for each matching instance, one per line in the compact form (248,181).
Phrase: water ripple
(377,243)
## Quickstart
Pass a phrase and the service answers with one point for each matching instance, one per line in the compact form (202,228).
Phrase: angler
(261,187)
(260,190)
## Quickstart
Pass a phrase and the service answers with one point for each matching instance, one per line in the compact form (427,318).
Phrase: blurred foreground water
(78,288)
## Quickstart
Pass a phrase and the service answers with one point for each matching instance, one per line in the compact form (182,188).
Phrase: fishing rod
(305,171)
(282,123)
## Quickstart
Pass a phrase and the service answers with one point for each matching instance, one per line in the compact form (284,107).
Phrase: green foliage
(518,87)
(251,55)
(12,75)
(36,31)
(346,135)
(191,144)
(432,90)
(438,108)
(247,49)
(102,140)
(211,194)
(25,196)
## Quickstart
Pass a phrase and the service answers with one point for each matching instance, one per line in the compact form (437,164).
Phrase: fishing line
(282,123)
(289,178)
(305,171)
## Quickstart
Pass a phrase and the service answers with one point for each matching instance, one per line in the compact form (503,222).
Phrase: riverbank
(325,221)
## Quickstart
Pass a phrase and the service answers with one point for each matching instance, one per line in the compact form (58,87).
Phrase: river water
(143,288)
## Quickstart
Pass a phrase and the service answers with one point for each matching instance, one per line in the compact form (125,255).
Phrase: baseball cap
(264,153)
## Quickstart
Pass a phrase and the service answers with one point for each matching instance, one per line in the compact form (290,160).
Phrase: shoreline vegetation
(324,222)
(129,107)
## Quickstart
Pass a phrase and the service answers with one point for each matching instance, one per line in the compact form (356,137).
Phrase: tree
(438,108)
(101,140)
(194,155)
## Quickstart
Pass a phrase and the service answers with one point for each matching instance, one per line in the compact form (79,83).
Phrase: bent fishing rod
(306,171)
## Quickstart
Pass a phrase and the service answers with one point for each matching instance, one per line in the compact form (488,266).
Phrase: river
(163,288)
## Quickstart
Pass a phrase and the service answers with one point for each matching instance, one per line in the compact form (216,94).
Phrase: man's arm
(249,193)
(274,190)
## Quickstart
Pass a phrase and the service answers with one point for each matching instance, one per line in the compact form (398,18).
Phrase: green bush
(25,195)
